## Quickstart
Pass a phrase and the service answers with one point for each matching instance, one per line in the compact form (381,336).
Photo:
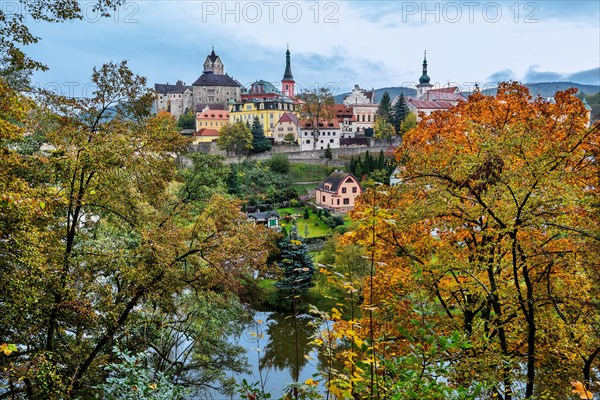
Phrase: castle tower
(214,64)
(287,83)
(424,84)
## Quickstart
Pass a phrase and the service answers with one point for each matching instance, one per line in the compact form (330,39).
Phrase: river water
(278,349)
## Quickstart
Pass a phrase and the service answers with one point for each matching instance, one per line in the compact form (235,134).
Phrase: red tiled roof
(207,132)
(431,105)
(449,89)
(444,96)
(212,115)
(324,124)
(288,117)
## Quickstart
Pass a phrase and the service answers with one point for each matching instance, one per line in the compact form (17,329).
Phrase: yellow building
(212,116)
(268,111)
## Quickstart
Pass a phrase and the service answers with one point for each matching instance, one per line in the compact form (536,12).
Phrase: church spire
(287,75)
(424,79)
(287,83)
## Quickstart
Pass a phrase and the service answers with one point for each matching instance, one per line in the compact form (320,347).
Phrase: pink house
(338,191)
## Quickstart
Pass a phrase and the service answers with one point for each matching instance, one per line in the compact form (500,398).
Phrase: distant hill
(548,89)
(544,89)
(393,91)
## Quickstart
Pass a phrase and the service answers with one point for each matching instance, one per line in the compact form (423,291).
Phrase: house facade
(288,126)
(212,117)
(338,192)
(318,135)
(364,108)
(268,218)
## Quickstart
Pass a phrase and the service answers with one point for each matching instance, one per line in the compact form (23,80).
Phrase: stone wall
(339,156)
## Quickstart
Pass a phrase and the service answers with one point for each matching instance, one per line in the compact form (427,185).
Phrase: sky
(337,44)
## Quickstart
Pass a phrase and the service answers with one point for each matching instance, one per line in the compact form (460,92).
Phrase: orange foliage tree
(490,238)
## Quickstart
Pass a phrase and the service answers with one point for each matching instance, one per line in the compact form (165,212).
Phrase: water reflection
(274,358)
(288,342)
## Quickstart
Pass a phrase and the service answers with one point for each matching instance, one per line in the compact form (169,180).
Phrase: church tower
(214,64)
(287,83)
(424,84)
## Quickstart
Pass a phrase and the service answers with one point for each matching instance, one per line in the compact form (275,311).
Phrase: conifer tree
(296,263)
(259,141)
(384,111)
(399,112)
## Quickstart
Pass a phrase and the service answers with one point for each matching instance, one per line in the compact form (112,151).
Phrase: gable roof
(449,89)
(336,178)
(163,88)
(289,117)
(210,79)
(263,216)
(430,105)
(207,132)
(200,107)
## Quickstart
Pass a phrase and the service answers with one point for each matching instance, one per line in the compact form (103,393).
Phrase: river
(270,343)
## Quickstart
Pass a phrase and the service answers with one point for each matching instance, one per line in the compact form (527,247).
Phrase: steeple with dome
(424,80)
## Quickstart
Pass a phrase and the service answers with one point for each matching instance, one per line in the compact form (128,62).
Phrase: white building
(317,136)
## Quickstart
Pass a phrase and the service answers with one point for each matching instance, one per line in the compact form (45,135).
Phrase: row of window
(346,201)
(306,133)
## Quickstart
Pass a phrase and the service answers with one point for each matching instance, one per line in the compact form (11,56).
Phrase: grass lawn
(309,172)
(314,225)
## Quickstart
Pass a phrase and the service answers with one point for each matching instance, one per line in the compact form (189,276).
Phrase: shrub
(306,214)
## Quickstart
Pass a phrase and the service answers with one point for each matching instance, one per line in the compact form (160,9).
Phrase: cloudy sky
(334,43)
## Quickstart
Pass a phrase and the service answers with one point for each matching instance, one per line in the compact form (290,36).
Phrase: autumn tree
(235,139)
(97,234)
(317,107)
(493,226)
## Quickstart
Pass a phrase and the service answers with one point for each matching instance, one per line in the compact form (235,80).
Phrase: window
(338,202)
(273,222)
(346,201)
(323,198)
(249,107)
(344,190)
(330,140)
(354,189)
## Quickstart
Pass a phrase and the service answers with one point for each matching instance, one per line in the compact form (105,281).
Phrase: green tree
(186,121)
(259,142)
(290,138)
(235,139)
(296,265)
(409,122)
(399,113)
(328,153)
(280,163)
(206,177)
(383,130)
(384,110)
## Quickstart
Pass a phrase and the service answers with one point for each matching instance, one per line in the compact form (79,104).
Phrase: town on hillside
(216,99)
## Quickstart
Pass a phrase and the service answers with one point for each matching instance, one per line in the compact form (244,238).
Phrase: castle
(213,87)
